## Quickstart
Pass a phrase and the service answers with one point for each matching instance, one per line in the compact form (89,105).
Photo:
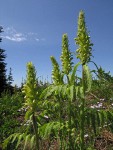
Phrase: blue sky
(33,32)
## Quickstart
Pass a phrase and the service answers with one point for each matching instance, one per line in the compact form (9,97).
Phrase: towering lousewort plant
(84,53)
(31,96)
(58,76)
(57,81)
(66,59)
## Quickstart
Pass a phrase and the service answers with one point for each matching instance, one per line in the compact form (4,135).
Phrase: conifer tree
(10,77)
(10,81)
(3,80)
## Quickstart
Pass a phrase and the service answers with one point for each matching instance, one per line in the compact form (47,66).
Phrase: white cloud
(10,33)
(16,38)
(37,39)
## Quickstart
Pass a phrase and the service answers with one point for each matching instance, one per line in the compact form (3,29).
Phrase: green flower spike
(84,51)
(30,88)
(66,56)
(56,74)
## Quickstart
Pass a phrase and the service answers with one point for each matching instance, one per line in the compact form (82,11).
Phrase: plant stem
(60,119)
(69,123)
(36,131)
(69,118)
(82,116)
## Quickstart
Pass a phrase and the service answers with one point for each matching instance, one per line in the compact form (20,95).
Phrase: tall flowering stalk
(57,78)
(66,59)
(84,53)
(31,96)
(61,88)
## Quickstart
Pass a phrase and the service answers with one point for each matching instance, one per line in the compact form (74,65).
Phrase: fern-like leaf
(20,137)
(32,141)
(27,138)
(88,77)
(72,79)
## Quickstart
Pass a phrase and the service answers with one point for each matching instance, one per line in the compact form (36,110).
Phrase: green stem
(82,116)
(60,119)
(69,118)
(36,131)
(69,123)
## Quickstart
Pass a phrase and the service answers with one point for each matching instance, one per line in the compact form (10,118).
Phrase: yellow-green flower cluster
(30,87)
(84,51)
(56,75)
(66,56)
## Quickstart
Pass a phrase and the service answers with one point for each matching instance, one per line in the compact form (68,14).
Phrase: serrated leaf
(71,92)
(81,92)
(72,80)
(26,141)
(19,139)
(28,114)
(77,90)
(15,136)
(32,141)
(88,77)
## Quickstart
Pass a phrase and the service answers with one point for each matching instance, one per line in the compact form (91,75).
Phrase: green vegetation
(72,113)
